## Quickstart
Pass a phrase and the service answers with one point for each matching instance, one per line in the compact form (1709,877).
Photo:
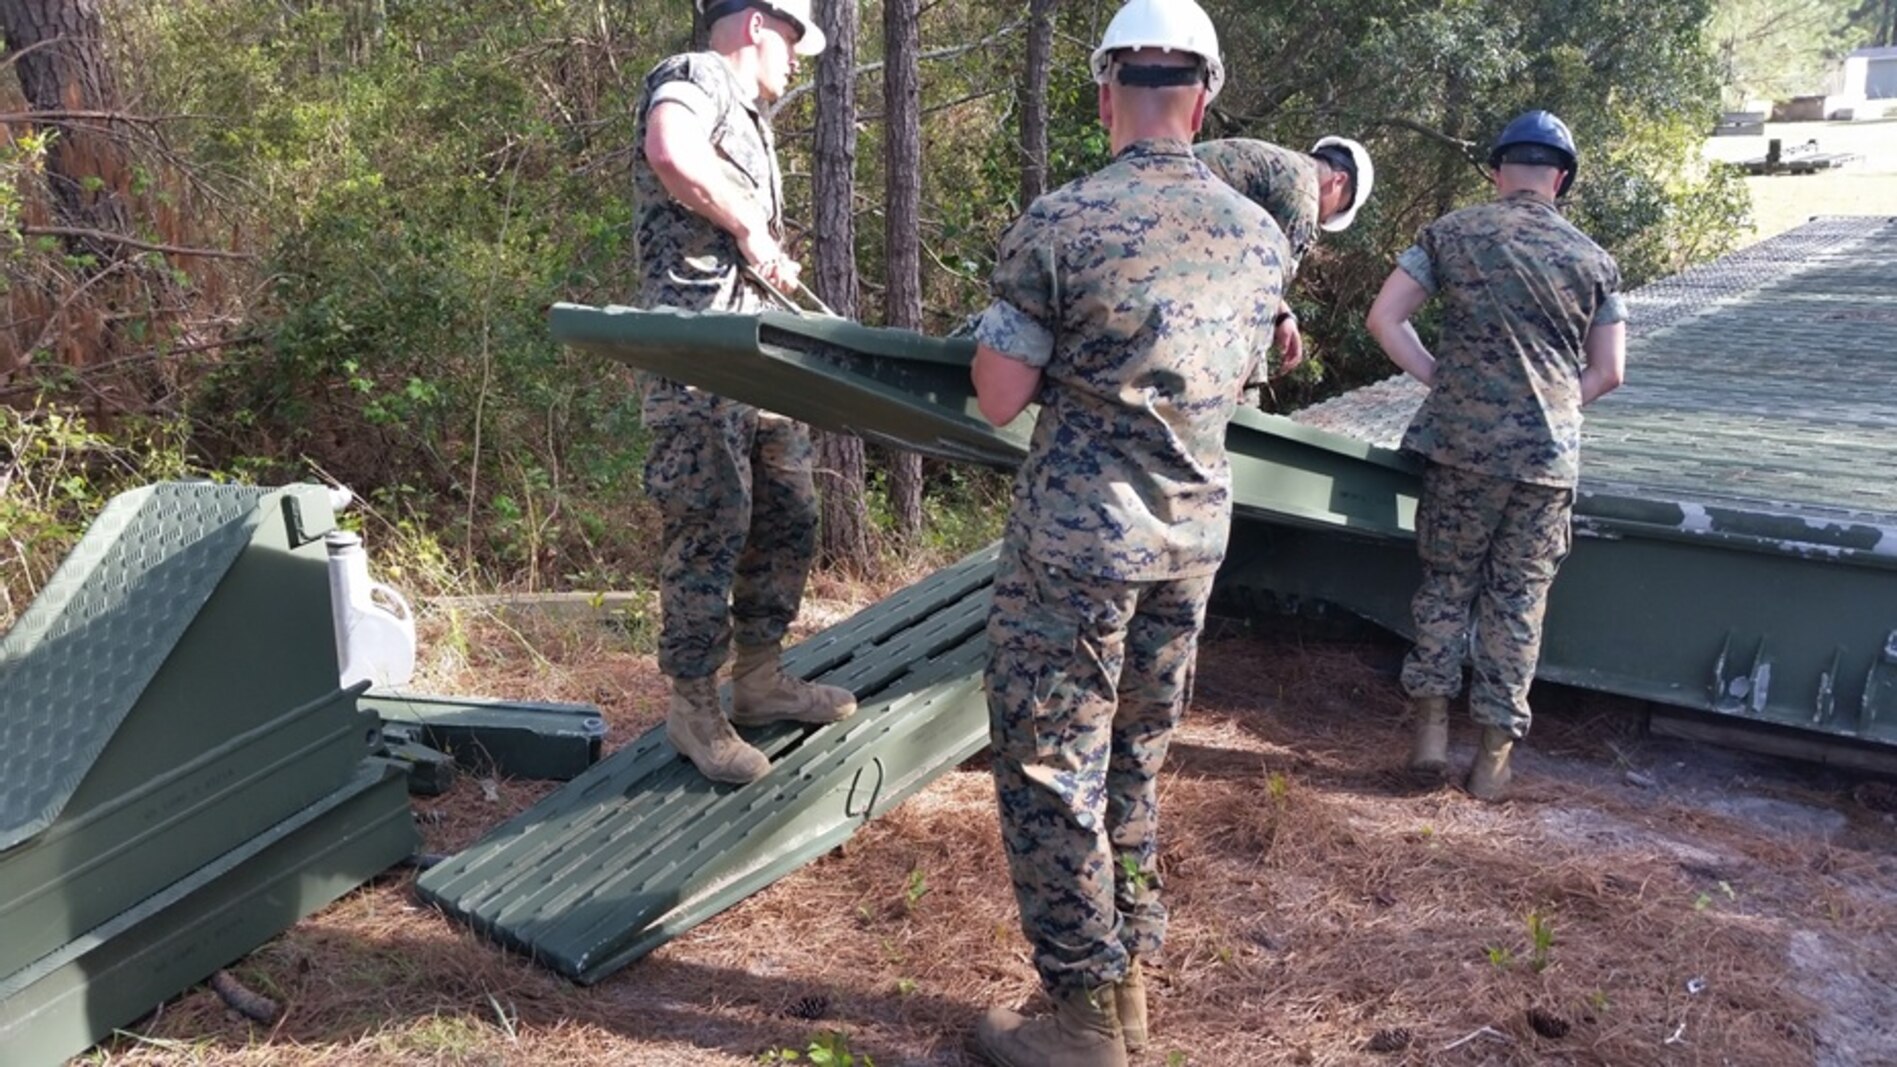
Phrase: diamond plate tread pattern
(1764,377)
(642,847)
(75,663)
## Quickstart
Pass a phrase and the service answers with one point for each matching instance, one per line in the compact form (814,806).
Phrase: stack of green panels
(170,696)
(168,942)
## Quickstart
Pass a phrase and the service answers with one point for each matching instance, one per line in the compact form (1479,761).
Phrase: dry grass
(1322,904)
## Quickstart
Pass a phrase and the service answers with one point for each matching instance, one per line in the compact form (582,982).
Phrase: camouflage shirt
(1145,293)
(1520,288)
(1279,180)
(685,260)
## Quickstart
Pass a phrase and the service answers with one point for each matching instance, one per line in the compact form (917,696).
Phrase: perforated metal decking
(642,848)
(1766,377)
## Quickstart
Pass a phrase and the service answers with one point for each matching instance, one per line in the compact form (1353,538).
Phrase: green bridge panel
(170,941)
(642,848)
(171,694)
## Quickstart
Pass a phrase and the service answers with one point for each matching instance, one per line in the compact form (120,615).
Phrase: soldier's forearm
(1606,348)
(711,196)
(683,160)
(1405,349)
(1389,323)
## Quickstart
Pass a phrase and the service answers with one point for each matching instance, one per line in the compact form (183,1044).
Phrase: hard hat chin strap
(1149,76)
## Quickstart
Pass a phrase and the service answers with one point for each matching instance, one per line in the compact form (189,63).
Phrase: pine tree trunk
(1032,103)
(902,234)
(840,474)
(58,53)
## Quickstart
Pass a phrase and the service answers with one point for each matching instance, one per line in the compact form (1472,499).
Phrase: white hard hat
(810,40)
(1174,25)
(1366,180)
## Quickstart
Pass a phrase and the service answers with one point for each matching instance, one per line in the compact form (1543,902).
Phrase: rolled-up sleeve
(1026,287)
(692,97)
(1611,307)
(1014,333)
(1415,262)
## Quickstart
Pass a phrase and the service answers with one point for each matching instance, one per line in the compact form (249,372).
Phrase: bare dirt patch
(1639,902)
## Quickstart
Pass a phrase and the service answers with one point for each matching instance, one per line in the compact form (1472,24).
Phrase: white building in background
(1870,85)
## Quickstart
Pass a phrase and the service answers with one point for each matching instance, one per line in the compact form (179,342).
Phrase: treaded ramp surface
(641,847)
(174,693)
(75,663)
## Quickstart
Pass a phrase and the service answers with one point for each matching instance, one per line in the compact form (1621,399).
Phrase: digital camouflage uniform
(1501,428)
(1145,293)
(1283,182)
(732,483)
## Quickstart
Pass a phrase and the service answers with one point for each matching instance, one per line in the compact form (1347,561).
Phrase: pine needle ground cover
(1638,901)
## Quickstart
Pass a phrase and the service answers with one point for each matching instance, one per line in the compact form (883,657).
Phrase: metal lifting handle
(771,291)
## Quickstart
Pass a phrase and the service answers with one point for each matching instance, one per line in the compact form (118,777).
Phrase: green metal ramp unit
(78,995)
(181,773)
(641,847)
(172,693)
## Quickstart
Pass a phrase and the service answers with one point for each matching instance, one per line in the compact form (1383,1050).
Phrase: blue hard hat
(1540,129)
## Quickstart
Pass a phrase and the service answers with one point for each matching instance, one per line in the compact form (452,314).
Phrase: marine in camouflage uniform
(1304,193)
(1282,181)
(733,484)
(1145,293)
(1522,290)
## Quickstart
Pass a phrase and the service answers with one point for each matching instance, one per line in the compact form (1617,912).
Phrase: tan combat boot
(1429,754)
(761,692)
(1084,1031)
(696,726)
(1489,777)
(1130,998)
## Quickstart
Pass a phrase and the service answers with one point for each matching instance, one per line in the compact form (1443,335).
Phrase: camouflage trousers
(1086,679)
(1494,545)
(734,490)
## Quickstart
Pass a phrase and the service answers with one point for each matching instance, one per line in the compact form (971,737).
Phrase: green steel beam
(1744,627)
(168,942)
(173,693)
(889,386)
(542,741)
(912,392)
(641,847)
